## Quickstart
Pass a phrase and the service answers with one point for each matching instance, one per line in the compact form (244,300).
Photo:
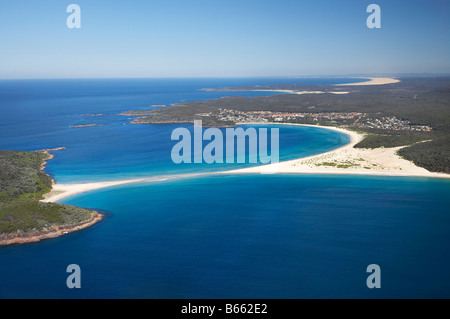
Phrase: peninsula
(23,217)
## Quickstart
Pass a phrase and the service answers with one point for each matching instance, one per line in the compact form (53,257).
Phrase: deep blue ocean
(217,236)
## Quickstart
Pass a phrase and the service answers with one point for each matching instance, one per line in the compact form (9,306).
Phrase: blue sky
(215,38)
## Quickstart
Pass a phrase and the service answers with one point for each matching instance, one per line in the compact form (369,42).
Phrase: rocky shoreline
(56,231)
(49,156)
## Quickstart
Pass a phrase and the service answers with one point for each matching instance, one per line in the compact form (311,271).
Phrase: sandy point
(373,81)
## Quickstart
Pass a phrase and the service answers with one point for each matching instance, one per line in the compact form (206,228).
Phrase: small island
(90,114)
(85,125)
(24,217)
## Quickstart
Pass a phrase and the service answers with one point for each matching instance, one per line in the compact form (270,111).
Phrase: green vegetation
(22,185)
(433,155)
(386,138)
(326,164)
(21,177)
(420,101)
(346,164)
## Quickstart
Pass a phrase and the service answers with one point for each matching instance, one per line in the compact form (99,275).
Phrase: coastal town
(357,119)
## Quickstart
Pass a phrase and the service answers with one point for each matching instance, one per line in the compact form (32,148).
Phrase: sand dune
(347,160)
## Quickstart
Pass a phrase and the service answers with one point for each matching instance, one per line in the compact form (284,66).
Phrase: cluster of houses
(392,123)
(269,116)
(354,118)
(237,116)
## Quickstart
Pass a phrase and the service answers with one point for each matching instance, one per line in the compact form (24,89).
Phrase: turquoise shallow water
(246,236)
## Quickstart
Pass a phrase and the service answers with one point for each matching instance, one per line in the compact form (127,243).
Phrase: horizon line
(368,75)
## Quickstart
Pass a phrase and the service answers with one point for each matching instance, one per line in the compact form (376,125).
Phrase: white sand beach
(347,160)
(303,92)
(61,191)
(373,81)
